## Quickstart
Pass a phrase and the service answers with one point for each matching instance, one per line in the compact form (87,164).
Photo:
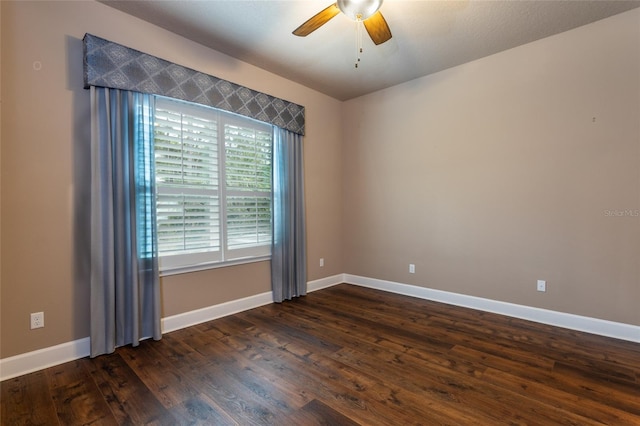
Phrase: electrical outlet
(412,268)
(542,285)
(321,262)
(37,320)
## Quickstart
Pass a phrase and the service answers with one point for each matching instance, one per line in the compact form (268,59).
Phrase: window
(213,185)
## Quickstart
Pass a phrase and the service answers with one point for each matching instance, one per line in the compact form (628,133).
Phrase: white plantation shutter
(213,183)
(248,187)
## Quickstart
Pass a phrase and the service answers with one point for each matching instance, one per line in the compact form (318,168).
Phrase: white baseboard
(198,316)
(559,319)
(325,282)
(187,319)
(43,358)
(48,357)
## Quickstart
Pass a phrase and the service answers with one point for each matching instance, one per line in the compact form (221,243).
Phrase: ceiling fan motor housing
(359,10)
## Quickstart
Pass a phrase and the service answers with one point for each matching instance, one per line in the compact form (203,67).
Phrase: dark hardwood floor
(344,356)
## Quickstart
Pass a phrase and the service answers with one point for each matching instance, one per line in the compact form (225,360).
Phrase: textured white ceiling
(428,36)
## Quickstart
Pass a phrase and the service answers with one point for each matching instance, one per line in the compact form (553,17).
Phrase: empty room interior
(440,224)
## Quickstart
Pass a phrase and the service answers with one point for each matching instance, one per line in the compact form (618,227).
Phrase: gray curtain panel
(125,293)
(289,249)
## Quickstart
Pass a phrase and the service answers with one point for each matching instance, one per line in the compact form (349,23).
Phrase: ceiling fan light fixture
(359,10)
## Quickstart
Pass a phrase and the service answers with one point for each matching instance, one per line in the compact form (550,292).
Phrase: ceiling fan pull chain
(358,41)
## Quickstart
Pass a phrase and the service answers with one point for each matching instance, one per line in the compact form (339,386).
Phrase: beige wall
(499,172)
(44,161)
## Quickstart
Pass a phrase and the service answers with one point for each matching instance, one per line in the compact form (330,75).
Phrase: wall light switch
(412,268)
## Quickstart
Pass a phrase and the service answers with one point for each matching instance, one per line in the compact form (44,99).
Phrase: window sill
(211,265)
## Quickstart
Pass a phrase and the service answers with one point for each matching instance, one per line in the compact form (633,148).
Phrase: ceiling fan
(365,11)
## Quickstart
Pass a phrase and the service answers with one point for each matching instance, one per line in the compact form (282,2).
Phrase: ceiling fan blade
(377,28)
(317,20)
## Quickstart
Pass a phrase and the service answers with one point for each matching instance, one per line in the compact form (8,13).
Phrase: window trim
(177,270)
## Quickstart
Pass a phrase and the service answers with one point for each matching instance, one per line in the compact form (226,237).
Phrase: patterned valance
(108,64)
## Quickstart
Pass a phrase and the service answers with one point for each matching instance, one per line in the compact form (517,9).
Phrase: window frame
(224,256)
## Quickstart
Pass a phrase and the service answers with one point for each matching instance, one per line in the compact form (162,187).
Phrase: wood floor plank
(26,400)
(237,387)
(234,397)
(344,355)
(202,410)
(560,398)
(76,396)
(294,363)
(225,326)
(173,348)
(447,325)
(378,331)
(623,395)
(477,400)
(166,383)
(545,339)
(295,331)
(129,399)
(279,357)
(318,413)
(297,395)
(369,341)
(576,382)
